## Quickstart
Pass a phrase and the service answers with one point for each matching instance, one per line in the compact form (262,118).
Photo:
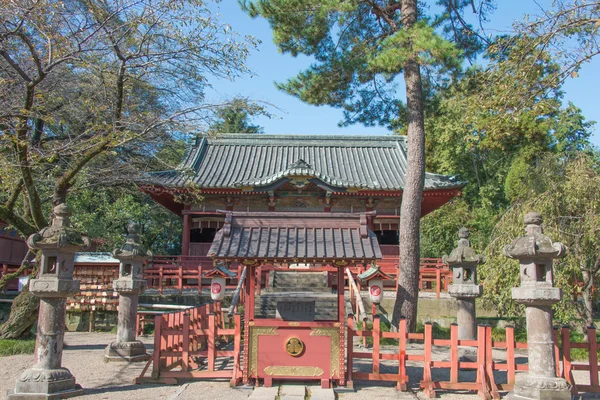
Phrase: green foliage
(235,118)
(566,191)
(104,215)
(421,42)
(14,347)
(360,47)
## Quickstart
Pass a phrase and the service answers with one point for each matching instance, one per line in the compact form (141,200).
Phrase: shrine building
(292,173)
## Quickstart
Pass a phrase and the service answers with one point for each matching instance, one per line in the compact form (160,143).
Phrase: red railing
(187,344)
(185,272)
(486,367)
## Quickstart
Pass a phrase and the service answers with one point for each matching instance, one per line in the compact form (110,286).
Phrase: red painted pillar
(185,238)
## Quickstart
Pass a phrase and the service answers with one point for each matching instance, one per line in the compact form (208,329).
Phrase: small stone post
(463,260)
(47,379)
(129,285)
(535,252)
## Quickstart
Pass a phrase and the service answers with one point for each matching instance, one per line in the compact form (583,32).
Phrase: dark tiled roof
(262,161)
(295,236)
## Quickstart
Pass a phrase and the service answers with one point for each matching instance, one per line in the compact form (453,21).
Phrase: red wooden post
(185,356)
(157,346)
(160,279)
(510,355)
(212,333)
(567,372)
(170,337)
(199,278)
(237,339)
(402,378)
(438,282)
(489,362)
(376,341)
(427,383)
(481,378)
(454,353)
(350,350)
(593,355)
(341,305)
(555,335)
(185,238)
(180,278)
(250,290)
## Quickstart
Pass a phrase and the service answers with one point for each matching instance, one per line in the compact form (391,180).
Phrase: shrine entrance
(296,329)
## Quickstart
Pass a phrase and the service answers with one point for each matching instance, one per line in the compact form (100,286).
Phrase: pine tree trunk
(23,314)
(407,293)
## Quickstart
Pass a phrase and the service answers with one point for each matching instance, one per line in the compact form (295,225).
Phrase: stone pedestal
(535,252)
(129,285)
(127,347)
(47,379)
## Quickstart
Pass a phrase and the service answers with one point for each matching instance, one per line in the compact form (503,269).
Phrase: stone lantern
(535,252)
(463,260)
(130,284)
(53,284)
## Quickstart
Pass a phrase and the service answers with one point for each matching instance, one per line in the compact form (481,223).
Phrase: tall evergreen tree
(360,48)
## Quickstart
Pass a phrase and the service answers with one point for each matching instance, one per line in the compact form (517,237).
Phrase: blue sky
(295,117)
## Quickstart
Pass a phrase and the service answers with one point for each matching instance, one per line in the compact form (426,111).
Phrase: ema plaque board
(297,310)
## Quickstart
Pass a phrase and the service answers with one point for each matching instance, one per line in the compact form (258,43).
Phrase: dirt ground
(83,356)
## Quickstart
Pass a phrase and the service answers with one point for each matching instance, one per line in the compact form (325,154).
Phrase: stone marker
(535,252)
(129,285)
(297,310)
(47,379)
(463,260)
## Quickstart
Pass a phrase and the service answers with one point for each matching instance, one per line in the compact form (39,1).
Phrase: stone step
(292,392)
(306,289)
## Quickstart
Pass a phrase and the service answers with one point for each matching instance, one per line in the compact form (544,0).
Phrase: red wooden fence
(485,365)
(179,273)
(188,343)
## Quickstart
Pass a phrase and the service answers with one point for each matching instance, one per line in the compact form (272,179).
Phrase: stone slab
(263,393)
(318,393)
(297,310)
(293,390)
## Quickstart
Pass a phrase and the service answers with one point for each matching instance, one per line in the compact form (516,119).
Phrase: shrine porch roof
(298,237)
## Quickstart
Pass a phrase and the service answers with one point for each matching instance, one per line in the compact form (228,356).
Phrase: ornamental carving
(277,370)
(294,346)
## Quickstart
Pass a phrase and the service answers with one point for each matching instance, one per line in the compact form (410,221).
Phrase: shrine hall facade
(281,175)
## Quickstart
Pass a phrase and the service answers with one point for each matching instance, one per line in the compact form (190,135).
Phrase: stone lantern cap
(463,255)
(133,249)
(534,244)
(60,234)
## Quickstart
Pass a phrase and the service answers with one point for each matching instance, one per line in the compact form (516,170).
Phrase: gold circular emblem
(294,346)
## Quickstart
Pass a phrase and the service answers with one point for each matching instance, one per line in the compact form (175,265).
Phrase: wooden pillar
(185,237)
(250,283)
(341,313)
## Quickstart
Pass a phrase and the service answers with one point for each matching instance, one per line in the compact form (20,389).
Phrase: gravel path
(83,355)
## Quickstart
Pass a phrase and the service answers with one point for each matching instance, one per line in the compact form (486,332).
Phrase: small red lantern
(375,277)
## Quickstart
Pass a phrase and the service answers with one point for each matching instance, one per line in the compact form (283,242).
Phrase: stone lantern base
(126,351)
(529,387)
(45,384)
